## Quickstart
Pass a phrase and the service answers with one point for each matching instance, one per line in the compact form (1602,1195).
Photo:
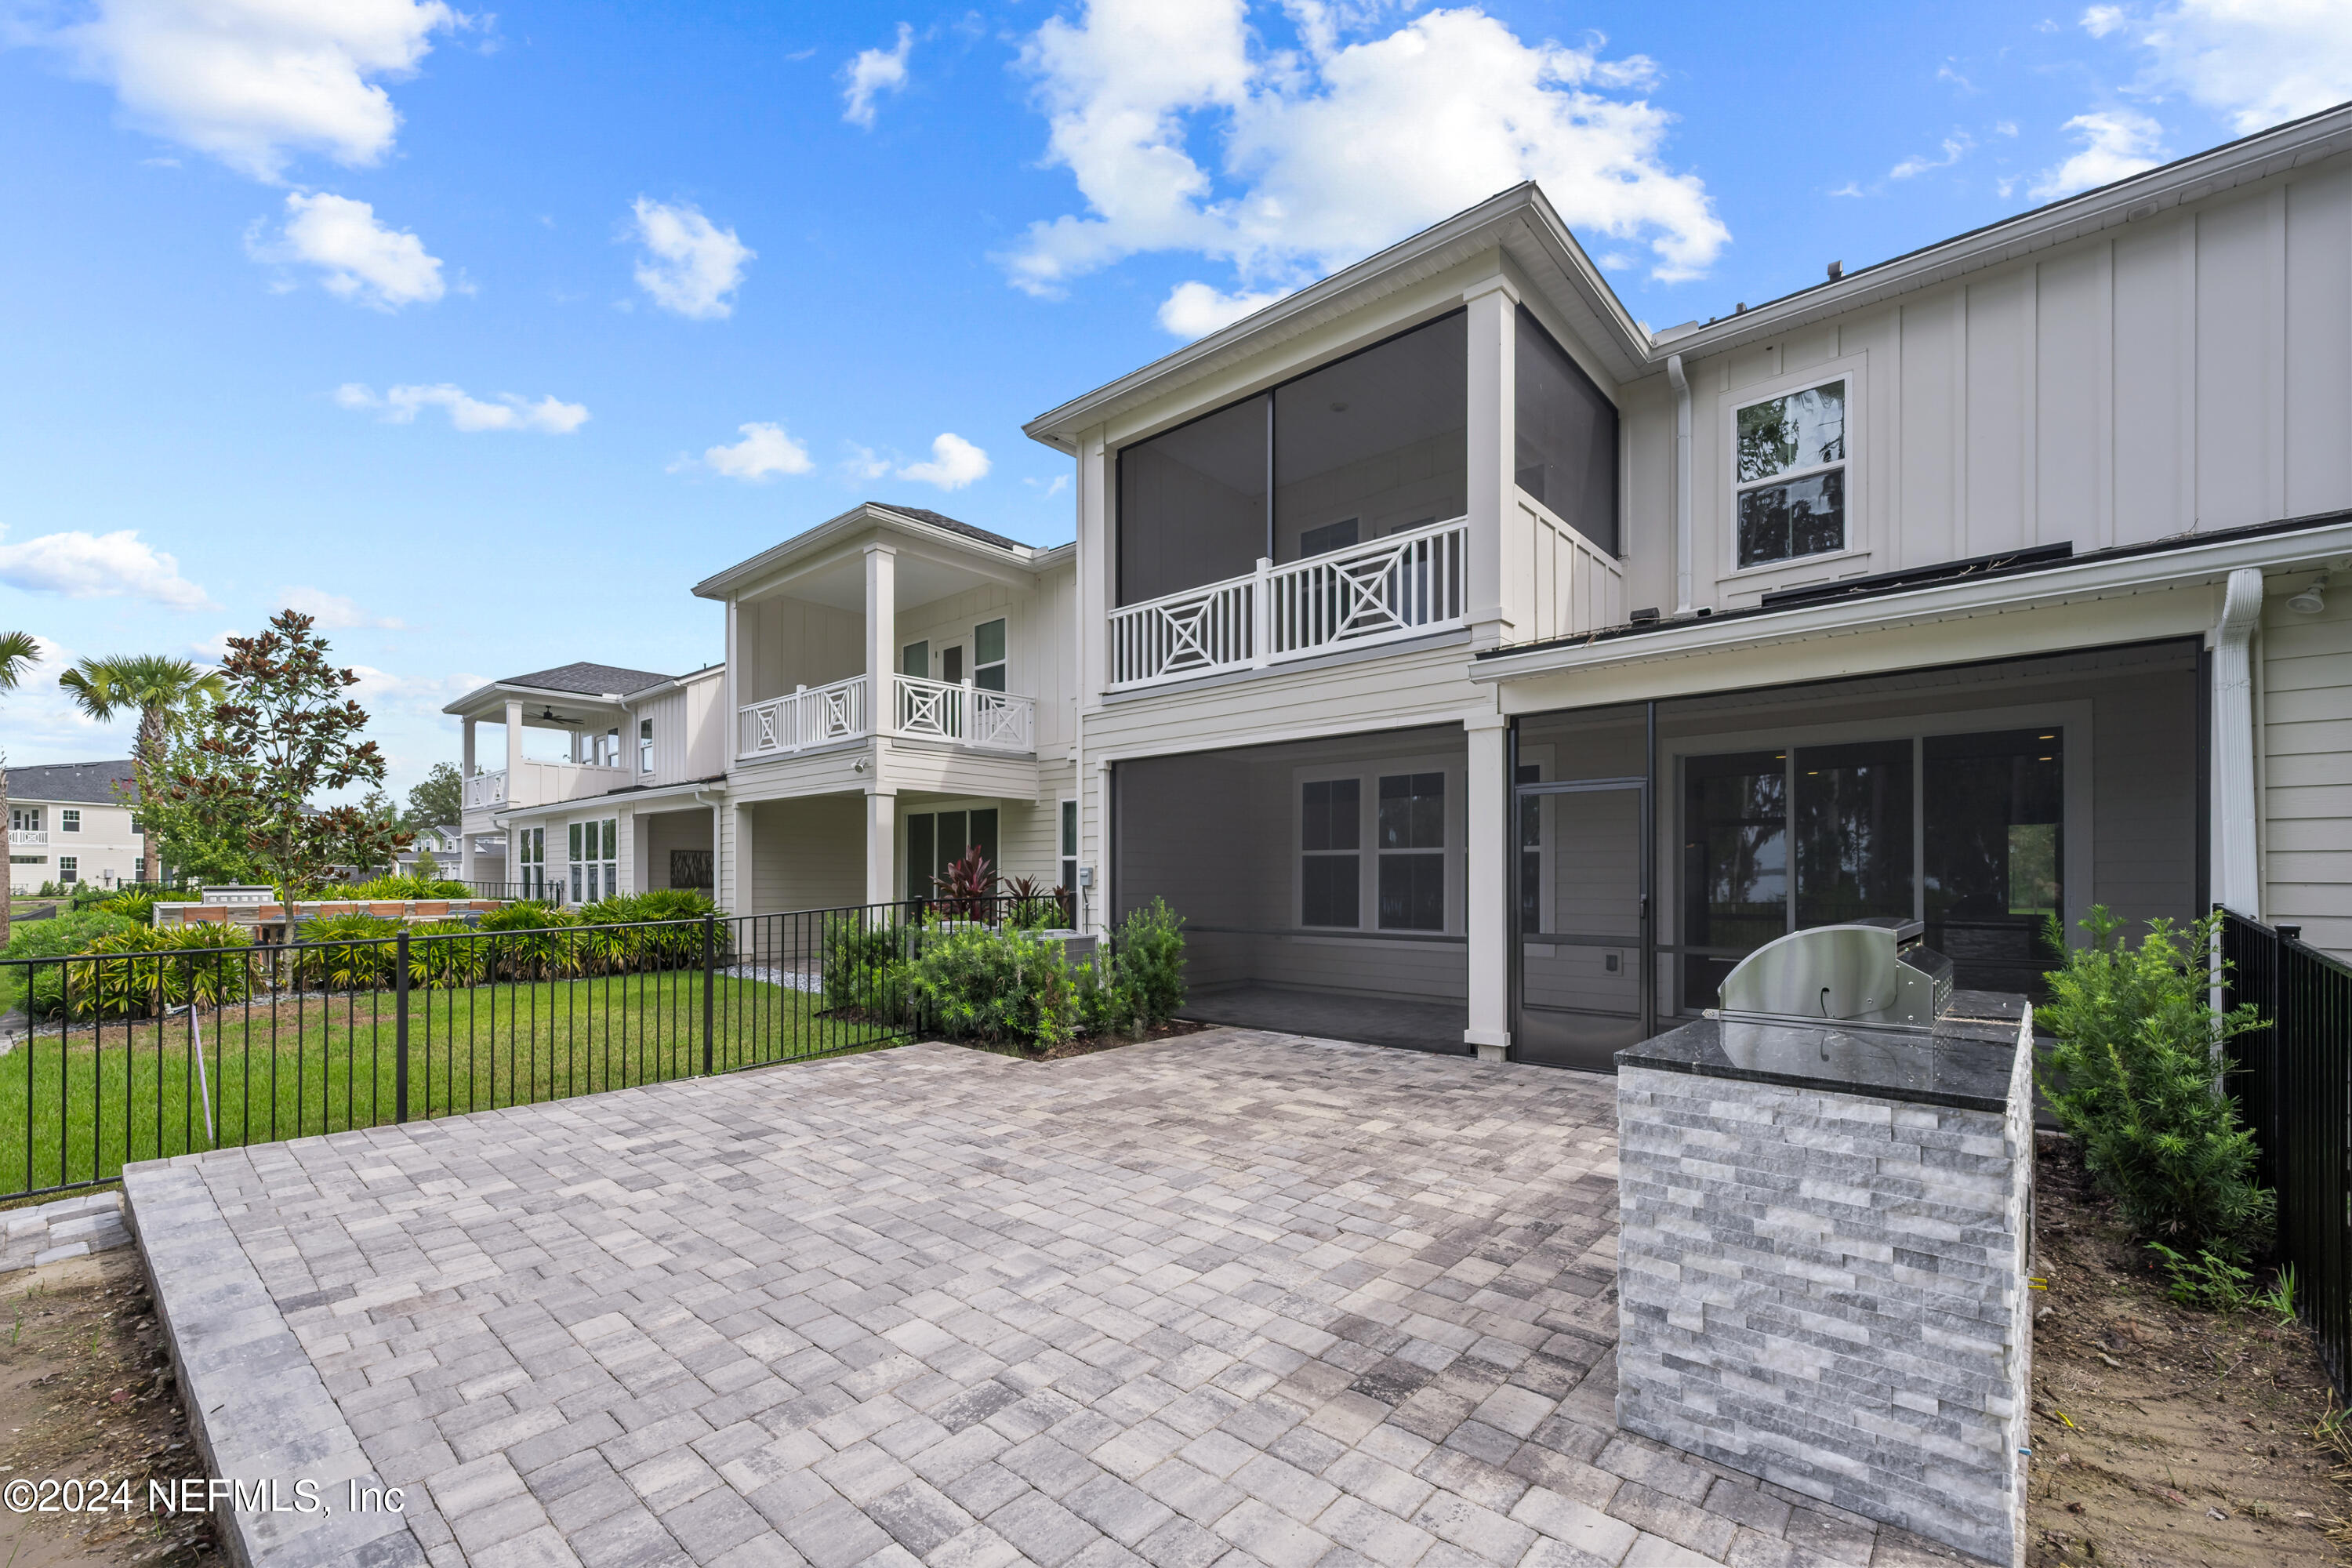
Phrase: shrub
(1105,1003)
(2133,1078)
(1035,906)
(1150,955)
(864,965)
(352,952)
(133,973)
(65,933)
(387,888)
(1010,986)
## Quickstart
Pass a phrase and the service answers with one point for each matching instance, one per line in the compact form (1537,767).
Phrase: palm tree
(18,650)
(156,686)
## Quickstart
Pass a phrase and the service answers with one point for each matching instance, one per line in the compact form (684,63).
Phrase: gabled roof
(94,784)
(941,519)
(588,680)
(909,520)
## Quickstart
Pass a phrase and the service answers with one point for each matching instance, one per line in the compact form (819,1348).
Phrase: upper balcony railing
(28,835)
(1407,585)
(921,710)
(537,783)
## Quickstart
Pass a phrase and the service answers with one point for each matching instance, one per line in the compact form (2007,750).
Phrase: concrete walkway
(1232,1299)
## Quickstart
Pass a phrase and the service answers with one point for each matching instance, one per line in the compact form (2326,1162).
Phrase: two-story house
(901,689)
(75,822)
(1470,664)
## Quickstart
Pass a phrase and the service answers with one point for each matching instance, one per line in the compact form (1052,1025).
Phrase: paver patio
(1233,1299)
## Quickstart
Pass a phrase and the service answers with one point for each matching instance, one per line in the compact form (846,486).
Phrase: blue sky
(485,336)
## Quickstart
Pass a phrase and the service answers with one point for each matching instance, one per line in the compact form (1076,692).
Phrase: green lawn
(76,1108)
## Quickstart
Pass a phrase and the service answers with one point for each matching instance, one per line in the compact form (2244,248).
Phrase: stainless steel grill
(1876,972)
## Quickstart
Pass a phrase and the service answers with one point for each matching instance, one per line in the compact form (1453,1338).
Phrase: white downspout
(1681,384)
(2237,879)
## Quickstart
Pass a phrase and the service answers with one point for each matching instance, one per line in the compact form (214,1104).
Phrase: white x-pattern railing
(968,715)
(1406,584)
(810,716)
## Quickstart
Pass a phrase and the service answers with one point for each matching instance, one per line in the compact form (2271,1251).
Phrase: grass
(75,1108)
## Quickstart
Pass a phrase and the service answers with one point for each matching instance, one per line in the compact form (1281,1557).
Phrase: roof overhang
(852,526)
(2121,574)
(490,701)
(1520,223)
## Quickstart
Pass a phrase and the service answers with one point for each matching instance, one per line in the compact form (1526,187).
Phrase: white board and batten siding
(689,730)
(2190,372)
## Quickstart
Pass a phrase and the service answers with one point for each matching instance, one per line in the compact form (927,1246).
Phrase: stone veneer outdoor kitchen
(1826,1232)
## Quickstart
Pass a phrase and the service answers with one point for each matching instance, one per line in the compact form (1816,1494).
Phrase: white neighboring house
(443,843)
(74,822)
(1475,667)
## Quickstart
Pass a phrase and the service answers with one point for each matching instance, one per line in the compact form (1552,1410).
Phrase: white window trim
(1300,779)
(1005,664)
(608,877)
(1368,775)
(68,819)
(1449,787)
(1849,370)
(1066,805)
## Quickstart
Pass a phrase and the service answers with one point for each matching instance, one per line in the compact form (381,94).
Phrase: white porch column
(881,847)
(881,642)
(624,860)
(1487,919)
(1494,334)
(514,747)
(2237,874)
(732,872)
(465,772)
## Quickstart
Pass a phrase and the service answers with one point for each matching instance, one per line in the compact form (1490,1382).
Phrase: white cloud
(692,264)
(252,82)
(865,463)
(1047,490)
(1955,147)
(2253,62)
(100,566)
(955,463)
(874,71)
(333,612)
(361,259)
(215,646)
(1331,153)
(399,405)
(2117,142)
(763,452)
(1196,309)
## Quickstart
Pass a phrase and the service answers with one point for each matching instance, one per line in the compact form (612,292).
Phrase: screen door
(1582,928)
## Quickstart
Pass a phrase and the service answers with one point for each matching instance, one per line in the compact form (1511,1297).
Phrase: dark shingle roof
(941,519)
(588,680)
(96,783)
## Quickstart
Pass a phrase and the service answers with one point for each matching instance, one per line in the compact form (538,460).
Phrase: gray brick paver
(1234,1298)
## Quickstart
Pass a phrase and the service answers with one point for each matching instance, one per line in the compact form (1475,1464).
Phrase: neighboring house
(443,843)
(74,822)
(1468,663)
(778,780)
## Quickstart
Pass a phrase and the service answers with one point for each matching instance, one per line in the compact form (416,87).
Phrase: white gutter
(2093,578)
(2237,881)
(1681,384)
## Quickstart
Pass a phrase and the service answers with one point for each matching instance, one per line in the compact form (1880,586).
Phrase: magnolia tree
(284,733)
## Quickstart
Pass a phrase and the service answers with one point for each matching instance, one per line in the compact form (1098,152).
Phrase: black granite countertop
(1966,1062)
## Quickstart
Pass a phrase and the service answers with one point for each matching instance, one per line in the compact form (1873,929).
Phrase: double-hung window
(1412,851)
(1789,483)
(69,869)
(988,655)
(25,818)
(531,861)
(644,745)
(69,820)
(1331,837)
(1069,882)
(595,863)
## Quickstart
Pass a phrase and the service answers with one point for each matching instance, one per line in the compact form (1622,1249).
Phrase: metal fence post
(710,954)
(400,1027)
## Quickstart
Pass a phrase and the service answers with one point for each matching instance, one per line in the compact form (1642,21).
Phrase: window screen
(1565,448)
(1191,503)
(1379,440)
(1412,852)
(1330,834)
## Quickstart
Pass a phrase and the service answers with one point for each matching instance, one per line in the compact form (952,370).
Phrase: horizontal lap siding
(2307,770)
(808,854)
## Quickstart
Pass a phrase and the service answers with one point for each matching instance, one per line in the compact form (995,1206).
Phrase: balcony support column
(881,847)
(881,642)
(1494,337)
(466,768)
(514,745)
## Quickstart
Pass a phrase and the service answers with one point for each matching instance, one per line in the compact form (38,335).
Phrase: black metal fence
(2293,1085)
(211,1040)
